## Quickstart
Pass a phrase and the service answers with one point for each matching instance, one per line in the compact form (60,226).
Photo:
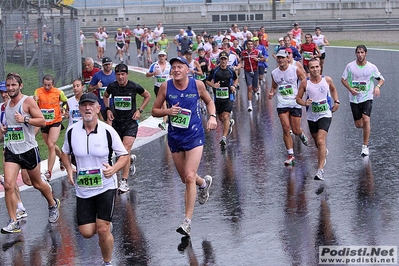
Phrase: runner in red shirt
(251,57)
(309,51)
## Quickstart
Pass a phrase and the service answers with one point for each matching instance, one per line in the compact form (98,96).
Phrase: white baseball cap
(282,53)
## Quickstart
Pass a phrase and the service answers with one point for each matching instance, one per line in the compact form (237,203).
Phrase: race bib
(123,102)
(222,93)
(307,55)
(15,134)
(163,47)
(76,116)
(286,90)
(182,119)
(200,77)
(20,43)
(49,114)
(89,178)
(319,107)
(101,92)
(161,78)
(360,85)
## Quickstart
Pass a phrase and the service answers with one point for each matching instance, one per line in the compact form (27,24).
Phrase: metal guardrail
(67,90)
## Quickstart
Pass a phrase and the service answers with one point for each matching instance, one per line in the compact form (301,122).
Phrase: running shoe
(62,167)
(256,95)
(184,228)
(290,160)
(365,151)
(249,109)
(203,193)
(53,211)
(12,227)
(232,122)
(223,142)
(162,125)
(304,139)
(123,186)
(21,214)
(47,175)
(133,158)
(319,175)
(106,264)
(2,179)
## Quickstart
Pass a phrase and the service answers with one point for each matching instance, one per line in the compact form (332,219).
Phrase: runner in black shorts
(95,179)
(46,129)
(126,114)
(223,80)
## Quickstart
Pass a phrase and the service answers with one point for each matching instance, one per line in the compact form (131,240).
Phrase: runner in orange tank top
(48,99)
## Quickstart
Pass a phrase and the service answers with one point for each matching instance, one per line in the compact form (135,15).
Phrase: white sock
(21,206)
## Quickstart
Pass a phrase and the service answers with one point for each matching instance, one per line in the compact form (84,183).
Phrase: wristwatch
(26,119)
(214,115)
(337,101)
(141,110)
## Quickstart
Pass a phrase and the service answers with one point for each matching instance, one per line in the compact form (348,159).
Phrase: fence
(35,43)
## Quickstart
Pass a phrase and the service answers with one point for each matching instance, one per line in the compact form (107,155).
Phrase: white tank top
(191,66)
(320,95)
(21,136)
(287,87)
(319,40)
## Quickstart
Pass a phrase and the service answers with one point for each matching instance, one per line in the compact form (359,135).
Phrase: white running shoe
(203,193)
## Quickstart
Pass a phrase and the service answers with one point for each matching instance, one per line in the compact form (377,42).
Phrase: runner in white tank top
(321,101)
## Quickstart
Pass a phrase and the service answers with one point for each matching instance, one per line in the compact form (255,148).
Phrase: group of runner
(291,81)
(146,40)
(180,85)
(300,63)
(88,146)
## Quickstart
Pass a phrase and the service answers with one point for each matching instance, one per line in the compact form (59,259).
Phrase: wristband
(378,85)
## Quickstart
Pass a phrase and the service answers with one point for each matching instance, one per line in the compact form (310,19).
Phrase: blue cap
(180,59)
(3,86)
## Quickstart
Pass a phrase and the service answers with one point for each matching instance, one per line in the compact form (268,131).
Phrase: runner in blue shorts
(185,132)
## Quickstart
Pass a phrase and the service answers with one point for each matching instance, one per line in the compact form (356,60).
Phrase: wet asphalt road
(259,213)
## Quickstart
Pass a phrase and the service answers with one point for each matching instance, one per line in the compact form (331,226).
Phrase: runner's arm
(33,109)
(301,91)
(210,105)
(157,110)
